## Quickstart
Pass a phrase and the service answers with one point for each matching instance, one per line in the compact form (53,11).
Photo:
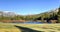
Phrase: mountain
(7,14)
(49,14)
(3,13)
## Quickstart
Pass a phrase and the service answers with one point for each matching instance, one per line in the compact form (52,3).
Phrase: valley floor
(13,27)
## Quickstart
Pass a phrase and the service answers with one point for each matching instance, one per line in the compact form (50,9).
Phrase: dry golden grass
(9,30)
(9,27)
(43,27)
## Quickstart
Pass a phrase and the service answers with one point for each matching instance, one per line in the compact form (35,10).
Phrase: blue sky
(25,7)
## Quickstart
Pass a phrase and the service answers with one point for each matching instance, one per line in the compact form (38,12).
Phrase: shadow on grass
(24,29)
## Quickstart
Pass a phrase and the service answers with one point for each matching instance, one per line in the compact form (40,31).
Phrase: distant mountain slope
(48,14)
(7,14)
(55,11)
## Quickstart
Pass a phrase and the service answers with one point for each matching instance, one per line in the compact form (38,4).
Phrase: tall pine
(59,14)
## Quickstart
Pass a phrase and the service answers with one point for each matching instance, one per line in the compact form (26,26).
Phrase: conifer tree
(59,14)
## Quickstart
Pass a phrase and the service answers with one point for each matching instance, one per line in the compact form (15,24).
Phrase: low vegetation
(9,27)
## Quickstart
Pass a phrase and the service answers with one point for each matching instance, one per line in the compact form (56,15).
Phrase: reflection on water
(30,22)
(33,22)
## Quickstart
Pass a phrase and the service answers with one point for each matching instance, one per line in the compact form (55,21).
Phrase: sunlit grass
(9,27)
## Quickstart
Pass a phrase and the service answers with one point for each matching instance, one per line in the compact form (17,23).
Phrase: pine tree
(59,14)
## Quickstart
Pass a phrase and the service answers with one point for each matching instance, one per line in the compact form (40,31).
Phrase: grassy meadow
(9,27)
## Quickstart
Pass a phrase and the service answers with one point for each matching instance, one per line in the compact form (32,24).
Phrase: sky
(26,7)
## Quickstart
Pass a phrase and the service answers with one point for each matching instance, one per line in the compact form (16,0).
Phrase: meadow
(10,27)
